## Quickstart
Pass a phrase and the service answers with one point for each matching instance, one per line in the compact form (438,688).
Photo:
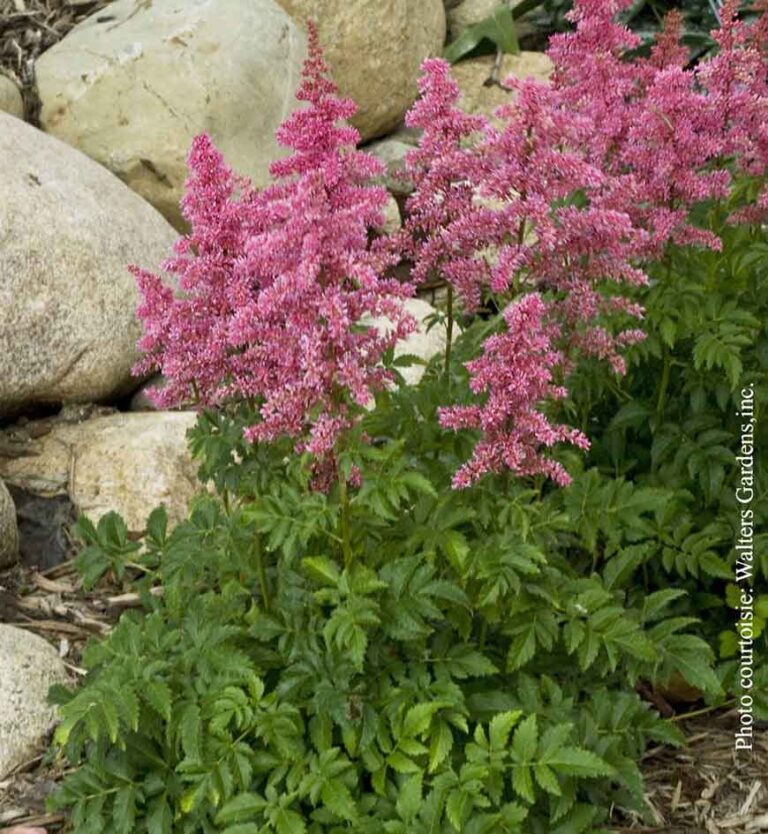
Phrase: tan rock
(68,230)
(471,75)
(129,463)
(425,342)
(132,88)
(29,666)
(391,152)
(9,531)
(375,49)
(10,97)
(392,219)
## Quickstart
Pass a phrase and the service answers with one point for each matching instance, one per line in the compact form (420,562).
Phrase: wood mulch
(704,788)
(52,604)
(27,29)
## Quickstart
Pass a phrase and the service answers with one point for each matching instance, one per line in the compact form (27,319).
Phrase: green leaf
(409,798)
(458,808)
(574,761)
(289,822)
(190,728)
(322,570)
(692,658)
(419,717)
(525,740)
(241,808)
(401,763)
(158,695)
(243,828)
(465,661)
(500,727)
(337,797)
(160,816)
(499,28)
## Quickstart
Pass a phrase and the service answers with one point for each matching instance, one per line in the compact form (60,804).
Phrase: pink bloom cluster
(663,129)
(516,373)
(585,179)
(277,285)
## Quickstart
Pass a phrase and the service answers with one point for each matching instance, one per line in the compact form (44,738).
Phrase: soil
(27,29)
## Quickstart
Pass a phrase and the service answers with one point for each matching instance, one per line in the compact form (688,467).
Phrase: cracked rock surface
(129,463)
(134,83)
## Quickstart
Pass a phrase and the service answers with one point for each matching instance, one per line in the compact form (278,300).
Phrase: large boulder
(10,97)
(129,463)
(68,230)
(133,84)
(9,531)
(374,49)
(471,75)
(28,668)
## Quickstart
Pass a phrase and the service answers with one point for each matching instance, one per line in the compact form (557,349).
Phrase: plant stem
(702,711)
(261,572)
(346,545)
(449,334)
(660,402)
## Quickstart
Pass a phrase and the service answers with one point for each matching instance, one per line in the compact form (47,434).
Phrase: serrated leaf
(322,570)
(574,761)
(289,822)
(337,797)
(500,727)
(457,808)
(158,695)
(525,740)
(440,745)
(241,808)
(409,798)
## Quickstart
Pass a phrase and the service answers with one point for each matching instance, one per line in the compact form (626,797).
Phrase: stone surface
(133,84)
(472,73)
(10,97)
(375,49)
(68,230)
(468,13)
(392,219)
(423,343)
(29,666)
(129,463)
(9,531)
(392,153)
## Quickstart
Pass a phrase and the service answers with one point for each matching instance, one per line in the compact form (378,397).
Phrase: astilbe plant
(279,286)
(401,659)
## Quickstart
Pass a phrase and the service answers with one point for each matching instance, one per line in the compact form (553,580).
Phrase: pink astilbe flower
(587,178)
(444,218)
(186,337)
(306,354)
(516,373)
(664,129)
(279,284)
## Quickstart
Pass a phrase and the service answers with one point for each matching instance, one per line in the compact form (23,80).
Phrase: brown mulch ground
(706,788)
(702,789)
(52,604)
(27,29)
